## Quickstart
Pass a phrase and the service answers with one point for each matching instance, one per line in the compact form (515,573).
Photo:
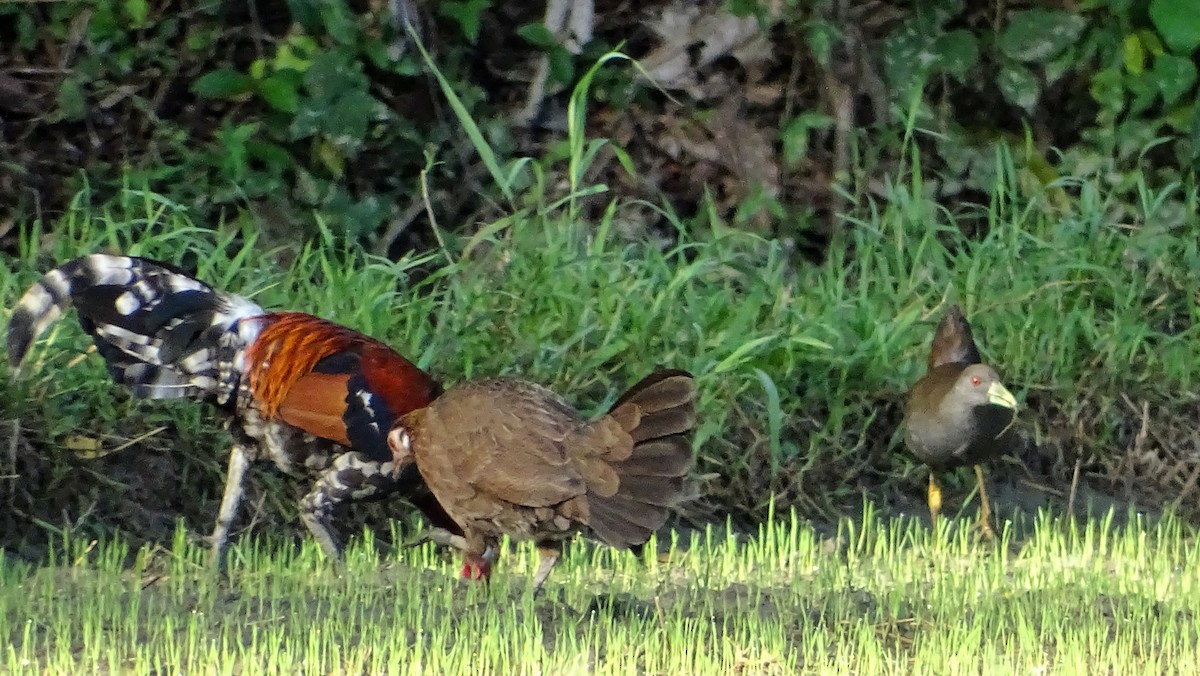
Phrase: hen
(505,456)
(313,397)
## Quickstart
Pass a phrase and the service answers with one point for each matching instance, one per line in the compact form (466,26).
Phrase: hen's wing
(503,438)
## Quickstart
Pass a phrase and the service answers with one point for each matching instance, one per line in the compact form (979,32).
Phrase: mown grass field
(880,597)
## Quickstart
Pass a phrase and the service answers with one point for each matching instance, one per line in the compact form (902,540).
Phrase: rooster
(313,397)
(509,457)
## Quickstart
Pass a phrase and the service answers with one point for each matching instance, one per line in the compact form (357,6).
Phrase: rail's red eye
(975,380)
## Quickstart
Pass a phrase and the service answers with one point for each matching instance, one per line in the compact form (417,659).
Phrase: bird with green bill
(959,413)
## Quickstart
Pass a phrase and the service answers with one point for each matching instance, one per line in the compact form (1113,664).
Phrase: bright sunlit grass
(880,597)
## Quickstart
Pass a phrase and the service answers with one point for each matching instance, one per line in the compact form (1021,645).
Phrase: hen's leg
(549,551)
(438,536)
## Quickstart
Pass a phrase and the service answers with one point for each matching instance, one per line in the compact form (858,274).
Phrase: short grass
(882,596)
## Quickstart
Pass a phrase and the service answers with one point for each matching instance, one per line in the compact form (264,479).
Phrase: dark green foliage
(291,111)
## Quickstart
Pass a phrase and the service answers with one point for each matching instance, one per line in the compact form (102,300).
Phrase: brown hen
(506,456)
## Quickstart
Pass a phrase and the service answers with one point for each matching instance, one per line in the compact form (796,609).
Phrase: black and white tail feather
(161,332)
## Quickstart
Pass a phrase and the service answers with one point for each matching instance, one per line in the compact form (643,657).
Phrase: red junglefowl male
(959,413)
(315,398)
(505,456)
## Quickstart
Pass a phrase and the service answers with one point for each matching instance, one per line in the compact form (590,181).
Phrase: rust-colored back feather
(316,403)
(404,386)
(291,344)
(286,350)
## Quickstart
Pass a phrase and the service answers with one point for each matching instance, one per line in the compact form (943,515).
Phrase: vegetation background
(779,195)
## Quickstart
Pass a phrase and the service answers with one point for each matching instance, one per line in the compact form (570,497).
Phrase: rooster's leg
(352,476)
(239,461)
(549,551)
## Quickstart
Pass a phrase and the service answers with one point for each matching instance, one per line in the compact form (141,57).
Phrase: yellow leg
(935,500)
(985,507)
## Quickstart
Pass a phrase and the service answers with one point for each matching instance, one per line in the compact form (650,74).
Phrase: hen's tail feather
(162,332)
(666,401)
(661,413)
(670,457)
(650,491)
(639,513)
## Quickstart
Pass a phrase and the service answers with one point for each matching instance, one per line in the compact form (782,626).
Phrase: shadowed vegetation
(801,369)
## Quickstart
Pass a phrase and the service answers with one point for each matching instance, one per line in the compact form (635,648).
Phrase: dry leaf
(684,26)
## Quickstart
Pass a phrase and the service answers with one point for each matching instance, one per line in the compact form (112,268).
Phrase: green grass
(801,368)
(883,596)
(1084,303)
(1087,310)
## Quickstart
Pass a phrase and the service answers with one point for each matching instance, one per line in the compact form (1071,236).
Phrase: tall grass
(801,368)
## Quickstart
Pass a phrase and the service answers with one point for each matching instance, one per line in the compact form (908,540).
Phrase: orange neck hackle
(290,345)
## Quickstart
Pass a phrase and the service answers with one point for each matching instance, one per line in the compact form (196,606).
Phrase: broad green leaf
(820,36)
(1196,137)
(958,53)
(538,35)
(468,14)
(329,157)
(1144,89)
(137,10)
(232,142)
(1179,23)
(295,54)
(27,31)
(1135,56)
(1038,35)
(795,135)
(72,101)
(339,23)
(272,154)
(1151,42)
(1176,76)
(1107,90)
(347,120)
(903,54)
(307,14)
(223,83)
(330,76)
(258,69)
(562,67)
(1019,86)
(279,93)
(307,189)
